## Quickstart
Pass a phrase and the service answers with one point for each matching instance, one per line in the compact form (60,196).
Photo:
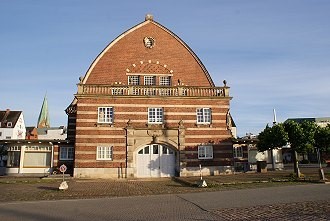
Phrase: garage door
(155,161)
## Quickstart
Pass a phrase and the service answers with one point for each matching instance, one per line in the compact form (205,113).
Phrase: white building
(12,125)
(52,133)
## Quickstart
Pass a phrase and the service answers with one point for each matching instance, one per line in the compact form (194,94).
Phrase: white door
(167,162)
(155,161)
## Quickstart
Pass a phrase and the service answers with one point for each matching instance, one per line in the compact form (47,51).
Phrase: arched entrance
(155,160)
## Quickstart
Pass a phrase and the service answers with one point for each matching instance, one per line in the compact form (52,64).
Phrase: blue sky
(273,53)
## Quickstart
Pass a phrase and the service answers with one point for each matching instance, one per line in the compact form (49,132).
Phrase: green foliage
(296,135)
(322,138)
(309,130)
(272,138)
(303,137)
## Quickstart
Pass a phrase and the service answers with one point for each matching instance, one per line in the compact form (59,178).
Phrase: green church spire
(43,120)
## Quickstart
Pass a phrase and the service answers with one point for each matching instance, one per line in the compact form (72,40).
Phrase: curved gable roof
(127,52)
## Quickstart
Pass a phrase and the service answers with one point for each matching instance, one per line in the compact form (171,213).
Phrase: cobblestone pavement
(302,211)
(86,189)
(27,189)
(219,205)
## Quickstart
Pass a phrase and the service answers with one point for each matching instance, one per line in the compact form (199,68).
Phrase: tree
(322,144)
(301,139)
(322,139)
(272,138)
(309,129)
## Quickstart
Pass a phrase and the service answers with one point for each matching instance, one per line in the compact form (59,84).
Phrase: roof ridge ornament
(149,17)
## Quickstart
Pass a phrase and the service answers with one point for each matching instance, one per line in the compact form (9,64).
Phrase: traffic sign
(63,168)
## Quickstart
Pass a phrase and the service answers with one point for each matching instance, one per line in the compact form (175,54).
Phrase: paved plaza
(302,202)
(244,196)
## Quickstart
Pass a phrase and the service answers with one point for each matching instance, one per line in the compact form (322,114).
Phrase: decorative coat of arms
(149,42)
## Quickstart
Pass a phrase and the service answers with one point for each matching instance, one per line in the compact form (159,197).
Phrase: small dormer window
(149,80)
(9,124)
(165,80)
(134,80)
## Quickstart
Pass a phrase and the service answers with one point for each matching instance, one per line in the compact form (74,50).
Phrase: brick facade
(106,84)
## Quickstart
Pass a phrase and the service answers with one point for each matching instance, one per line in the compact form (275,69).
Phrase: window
(37,156)
(66,153)
(205,152)
(104,153)
(9,124)
(165,80)
(167,150)
(155,149)
(14,155)
(37,159)
(203,115)
(238,152)
(155,115)
(144,150)
(149,80)
(105,115)
(134,80)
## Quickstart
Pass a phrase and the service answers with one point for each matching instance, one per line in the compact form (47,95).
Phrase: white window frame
(205,152)
(150,80)
(155,115)
(165,80)
(238,152)
(107,115)
(134,80)
(204,115)
(66,151)
(104,153)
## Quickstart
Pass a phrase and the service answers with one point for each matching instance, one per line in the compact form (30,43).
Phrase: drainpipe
(126,165)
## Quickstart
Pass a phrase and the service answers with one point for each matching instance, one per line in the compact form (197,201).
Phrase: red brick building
(147,107)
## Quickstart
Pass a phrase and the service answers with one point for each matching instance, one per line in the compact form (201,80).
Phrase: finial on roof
(149,17)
